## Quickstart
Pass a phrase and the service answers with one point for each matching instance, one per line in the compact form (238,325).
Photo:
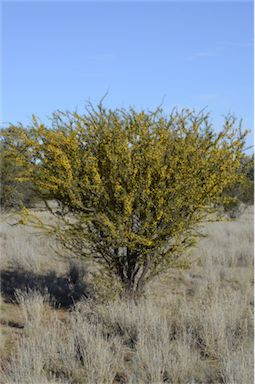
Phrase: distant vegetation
(242,192)
(131,187)
(15,193)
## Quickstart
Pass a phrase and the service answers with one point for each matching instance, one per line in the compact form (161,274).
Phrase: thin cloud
(237,44)
(202,55)
(101,58)
(207,96)
(220,48)
(91,75)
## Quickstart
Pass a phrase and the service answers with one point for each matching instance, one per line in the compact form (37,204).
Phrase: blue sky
(58,55)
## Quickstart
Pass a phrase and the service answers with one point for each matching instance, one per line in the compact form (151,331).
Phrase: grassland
(193,326)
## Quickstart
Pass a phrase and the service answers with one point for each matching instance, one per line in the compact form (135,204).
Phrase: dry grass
(194,326)
(26,248)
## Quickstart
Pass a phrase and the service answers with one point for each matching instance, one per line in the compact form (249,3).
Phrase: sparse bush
(13,194)
(241,193)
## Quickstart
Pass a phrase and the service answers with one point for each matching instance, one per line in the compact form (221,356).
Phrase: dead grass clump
(218,320)
(122,319)
(236,366)
(36,345)
(100,357)
(155,353)
(34,307)
(49,349)
(159,358)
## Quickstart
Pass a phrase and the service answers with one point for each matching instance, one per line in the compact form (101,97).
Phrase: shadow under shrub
(64,291)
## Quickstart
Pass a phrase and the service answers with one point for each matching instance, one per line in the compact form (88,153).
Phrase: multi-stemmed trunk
(132,273)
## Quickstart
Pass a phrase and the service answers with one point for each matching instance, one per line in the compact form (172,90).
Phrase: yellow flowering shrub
(131,187)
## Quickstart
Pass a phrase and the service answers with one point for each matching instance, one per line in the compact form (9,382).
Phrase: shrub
(241,193)
(131,187)
(13,194)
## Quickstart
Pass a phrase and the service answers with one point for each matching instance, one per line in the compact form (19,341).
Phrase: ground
(193,326)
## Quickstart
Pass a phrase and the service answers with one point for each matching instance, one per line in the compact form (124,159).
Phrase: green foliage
(131,187)
(14,194)
(242,192)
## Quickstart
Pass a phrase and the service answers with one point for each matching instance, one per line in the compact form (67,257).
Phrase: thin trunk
(130,273)
(141,279)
